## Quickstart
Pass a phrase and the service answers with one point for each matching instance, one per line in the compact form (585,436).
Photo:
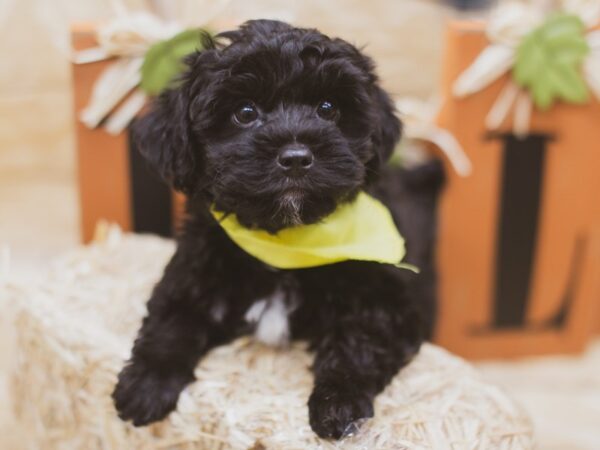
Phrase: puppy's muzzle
(295,160)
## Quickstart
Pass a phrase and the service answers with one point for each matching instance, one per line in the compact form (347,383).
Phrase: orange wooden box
(115,185)
(519,239)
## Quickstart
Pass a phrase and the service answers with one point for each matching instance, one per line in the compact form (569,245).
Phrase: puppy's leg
(183,323)
(354,361)
(363,328)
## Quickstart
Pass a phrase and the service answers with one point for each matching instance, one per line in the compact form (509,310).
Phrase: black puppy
(279,127)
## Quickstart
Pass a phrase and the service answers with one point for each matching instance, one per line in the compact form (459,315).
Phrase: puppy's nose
(295,160)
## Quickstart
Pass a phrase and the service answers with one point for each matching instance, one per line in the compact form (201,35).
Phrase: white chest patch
(271,318)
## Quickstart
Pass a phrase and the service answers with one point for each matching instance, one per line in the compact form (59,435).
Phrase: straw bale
(75,327)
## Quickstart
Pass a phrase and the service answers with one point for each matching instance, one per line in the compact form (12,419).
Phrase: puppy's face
(278,127)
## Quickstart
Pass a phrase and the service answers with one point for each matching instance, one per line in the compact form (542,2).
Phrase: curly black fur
(359,318)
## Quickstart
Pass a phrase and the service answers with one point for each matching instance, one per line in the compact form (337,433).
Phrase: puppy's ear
(165,135)
(164,138)
(388,129)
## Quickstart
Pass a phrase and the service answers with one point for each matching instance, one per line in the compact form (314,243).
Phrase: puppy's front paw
(144,395)
(337,412)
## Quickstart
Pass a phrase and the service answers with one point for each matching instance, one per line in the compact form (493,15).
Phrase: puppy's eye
(246,114)
(326,110)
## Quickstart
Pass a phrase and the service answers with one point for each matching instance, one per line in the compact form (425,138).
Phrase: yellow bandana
(362,230)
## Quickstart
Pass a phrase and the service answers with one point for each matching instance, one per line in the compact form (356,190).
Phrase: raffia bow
(506,30)
(126,38)
(418,118)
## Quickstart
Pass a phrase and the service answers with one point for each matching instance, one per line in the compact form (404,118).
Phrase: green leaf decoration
(164,60)
(549,59)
